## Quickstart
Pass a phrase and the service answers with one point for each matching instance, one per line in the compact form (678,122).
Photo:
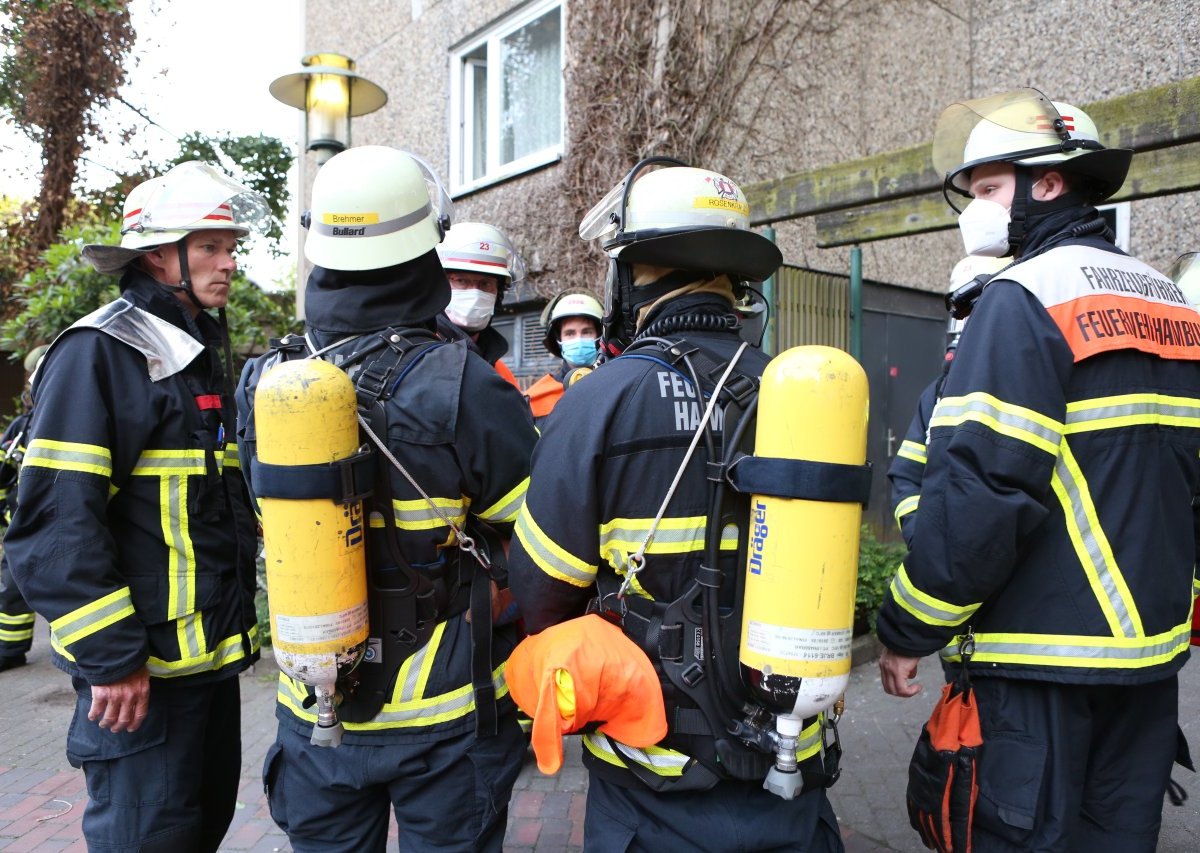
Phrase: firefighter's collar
(168,349)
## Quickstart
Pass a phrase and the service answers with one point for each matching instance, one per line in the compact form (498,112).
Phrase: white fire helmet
(678,217)
(1185,272)
(374,207)
(683,218)
(569,303)
(192,196)
(1025,128)
(481,248)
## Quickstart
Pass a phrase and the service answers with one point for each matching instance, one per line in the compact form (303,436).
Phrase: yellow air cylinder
(802,566)
(305,413)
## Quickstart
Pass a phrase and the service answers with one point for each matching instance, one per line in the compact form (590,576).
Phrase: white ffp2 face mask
(471,309)
(984,228)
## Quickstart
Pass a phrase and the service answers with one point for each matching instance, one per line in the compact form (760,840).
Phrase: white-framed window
(506,97)
(1118,220)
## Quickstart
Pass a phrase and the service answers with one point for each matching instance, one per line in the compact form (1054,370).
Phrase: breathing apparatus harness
(693,640)
(405,602)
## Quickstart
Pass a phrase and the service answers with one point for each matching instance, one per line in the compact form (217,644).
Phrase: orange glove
(585,671)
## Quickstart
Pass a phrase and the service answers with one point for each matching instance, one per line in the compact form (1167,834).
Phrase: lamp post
(330,93)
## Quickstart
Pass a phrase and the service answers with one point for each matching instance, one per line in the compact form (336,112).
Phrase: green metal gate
(813,308)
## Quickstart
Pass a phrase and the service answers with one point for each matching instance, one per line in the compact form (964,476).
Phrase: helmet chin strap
(185,278)
(1019,211)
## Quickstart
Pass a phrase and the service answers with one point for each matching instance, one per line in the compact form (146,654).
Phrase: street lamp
(330,93)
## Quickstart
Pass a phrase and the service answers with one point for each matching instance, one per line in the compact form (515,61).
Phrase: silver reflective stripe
(455,705)
(1071,654)
(180,572)
(408,690)
(928,612)
(194,464)
(389,226)
(227,652)
(1142,410)
(532,541)
(69,630)
(39,454)
(480,258)
(667,759)
(189,640)
(425,514)
(1076,505)
(948,408)
(509,509)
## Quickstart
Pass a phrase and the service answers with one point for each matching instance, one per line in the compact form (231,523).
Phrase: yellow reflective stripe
(907,506)
(549,556)
(419,515)
(228,651)
(424,663)
(87,620)
(181,553)
(1092,547)
(1195,587)
(680,535)
(926,608)
(230,457)
(1125,410)
(1078,651)
(69,456)
(1005,418)
(506,509)
(430,711)
(16,627)
(809,742)
(171,463)
(913,450)
(656,759)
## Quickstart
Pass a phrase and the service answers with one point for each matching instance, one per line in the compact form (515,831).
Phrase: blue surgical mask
(579,351)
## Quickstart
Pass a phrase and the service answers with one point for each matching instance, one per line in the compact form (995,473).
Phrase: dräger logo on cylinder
(759,538)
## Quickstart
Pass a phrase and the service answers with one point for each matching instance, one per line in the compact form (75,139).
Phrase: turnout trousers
(449,794)
(16,619)
(172,785)
(1069,767)
(732,817)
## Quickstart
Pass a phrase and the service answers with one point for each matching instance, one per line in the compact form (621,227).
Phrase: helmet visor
(604,219)
(1185,272)
(1001,127)
(195,194)
(439,199)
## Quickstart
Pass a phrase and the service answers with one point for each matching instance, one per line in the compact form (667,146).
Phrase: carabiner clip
(637,562)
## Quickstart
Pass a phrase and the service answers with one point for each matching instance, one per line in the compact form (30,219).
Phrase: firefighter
(482,266)
(16,619)
(908,467)
(572,321)
(133,536)
(680,252)
(426,732)
(1054,553)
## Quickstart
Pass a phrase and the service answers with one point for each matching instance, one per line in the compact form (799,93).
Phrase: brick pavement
(42,797)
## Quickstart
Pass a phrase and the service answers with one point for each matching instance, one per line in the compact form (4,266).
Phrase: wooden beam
(1146,120)
(1164,171)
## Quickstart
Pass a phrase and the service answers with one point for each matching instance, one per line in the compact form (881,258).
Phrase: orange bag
(942,781)
(585,671)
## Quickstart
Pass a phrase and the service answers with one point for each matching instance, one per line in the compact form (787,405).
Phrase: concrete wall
(873,77)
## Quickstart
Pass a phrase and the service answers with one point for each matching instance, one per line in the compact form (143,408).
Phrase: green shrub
(877,564)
